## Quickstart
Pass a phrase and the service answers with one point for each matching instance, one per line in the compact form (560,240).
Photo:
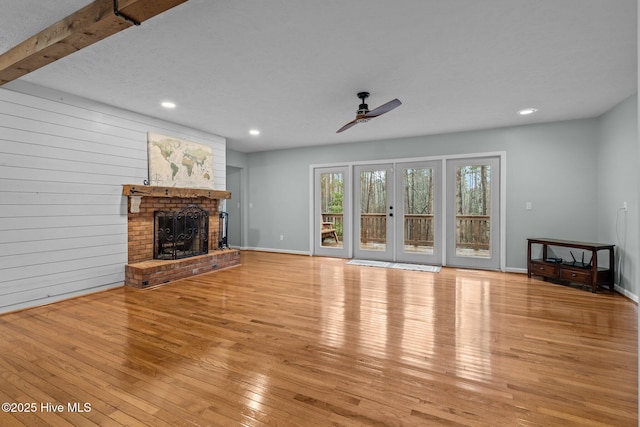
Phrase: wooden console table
(564,271)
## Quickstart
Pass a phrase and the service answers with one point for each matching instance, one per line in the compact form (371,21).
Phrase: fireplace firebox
(181,234)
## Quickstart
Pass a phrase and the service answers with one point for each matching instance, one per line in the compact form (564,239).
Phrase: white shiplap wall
(63,219)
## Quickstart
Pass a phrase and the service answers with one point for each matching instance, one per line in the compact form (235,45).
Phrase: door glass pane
(373,210)
(418,210)
(332,209)
(473,211)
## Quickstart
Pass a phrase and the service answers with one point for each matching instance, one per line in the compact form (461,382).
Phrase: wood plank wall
(63,219)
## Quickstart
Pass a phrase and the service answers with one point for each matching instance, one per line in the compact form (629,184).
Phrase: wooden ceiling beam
(92,23)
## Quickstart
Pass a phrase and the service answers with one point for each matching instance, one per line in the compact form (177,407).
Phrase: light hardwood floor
(299,341)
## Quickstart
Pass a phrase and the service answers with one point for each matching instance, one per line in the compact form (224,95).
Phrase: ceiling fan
(363,114)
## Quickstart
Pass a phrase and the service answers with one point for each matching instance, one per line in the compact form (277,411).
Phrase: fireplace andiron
(223,228)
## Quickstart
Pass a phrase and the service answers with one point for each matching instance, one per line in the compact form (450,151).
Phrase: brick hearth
(155,272)
(144,271)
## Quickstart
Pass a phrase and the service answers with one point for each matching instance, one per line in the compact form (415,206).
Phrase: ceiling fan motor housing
(363,108)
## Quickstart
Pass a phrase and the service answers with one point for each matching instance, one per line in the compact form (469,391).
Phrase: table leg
(594,271)
(529,260)
(612,262)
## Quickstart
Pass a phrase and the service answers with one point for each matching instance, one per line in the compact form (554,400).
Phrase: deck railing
(373,228)
(472,231)
(418,230)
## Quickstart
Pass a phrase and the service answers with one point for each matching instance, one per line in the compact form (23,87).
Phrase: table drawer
(546,270)
(577,276)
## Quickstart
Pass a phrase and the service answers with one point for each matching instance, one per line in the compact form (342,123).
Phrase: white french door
(397,212)
(439,212)
(473,213)
(374,212)
(331,216)
(418,219)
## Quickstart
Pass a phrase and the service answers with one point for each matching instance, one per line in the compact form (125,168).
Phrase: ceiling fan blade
(384,108)
(347,126)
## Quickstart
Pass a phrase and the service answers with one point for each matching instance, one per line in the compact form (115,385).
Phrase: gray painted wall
(234,206)
(239,164)
(618,179)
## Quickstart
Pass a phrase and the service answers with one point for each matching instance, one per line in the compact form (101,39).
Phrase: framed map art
(175,162)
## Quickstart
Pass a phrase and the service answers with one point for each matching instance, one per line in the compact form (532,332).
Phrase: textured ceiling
(292,68)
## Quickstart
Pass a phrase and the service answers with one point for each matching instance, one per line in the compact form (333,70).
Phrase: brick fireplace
(143,270)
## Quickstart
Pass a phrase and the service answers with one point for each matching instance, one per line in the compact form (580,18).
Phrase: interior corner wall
(618,179)
(239,198)
(233,207)
(64,159)
(551,165)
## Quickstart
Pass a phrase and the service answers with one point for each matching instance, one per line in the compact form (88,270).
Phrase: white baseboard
(515,270)
(627,294)
(281,251)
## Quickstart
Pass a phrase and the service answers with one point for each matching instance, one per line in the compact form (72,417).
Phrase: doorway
(233,207)
(397,212)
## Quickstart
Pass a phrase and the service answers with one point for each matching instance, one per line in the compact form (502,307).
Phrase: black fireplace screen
(181,234)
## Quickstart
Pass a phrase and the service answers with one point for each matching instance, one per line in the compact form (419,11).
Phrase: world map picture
(175,162)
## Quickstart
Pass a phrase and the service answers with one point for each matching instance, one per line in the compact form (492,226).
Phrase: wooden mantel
(185,193)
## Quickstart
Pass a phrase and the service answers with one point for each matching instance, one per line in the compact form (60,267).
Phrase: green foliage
(336,202)
(332,192)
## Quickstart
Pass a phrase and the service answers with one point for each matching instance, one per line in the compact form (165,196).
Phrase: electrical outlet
(624,206)
(282,237)
(528,206)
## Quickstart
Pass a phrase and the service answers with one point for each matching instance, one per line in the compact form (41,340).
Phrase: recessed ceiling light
(168,104)
(527,111)
(254,132)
